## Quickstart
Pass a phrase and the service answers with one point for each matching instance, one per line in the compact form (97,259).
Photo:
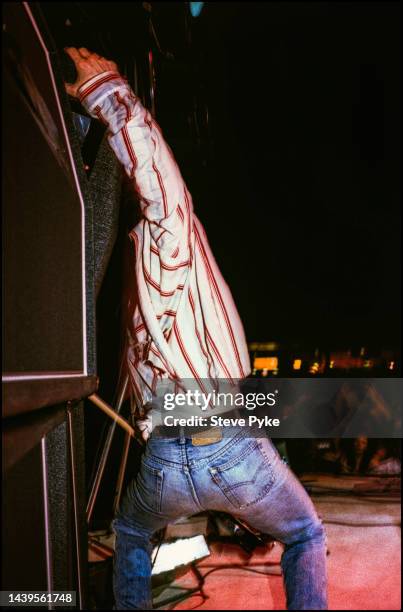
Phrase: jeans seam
(160,482)
(193,490)
(158,478)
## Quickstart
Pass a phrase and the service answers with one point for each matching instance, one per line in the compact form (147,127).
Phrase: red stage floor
(363,564)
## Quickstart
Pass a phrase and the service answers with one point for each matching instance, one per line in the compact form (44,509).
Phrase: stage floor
(363,562)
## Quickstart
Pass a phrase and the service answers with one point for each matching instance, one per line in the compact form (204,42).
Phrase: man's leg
(158,495)
(288,514)
(138,517)
(250,481)
(132,566)
(134,524)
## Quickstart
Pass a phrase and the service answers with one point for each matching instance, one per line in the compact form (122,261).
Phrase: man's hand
(87,65)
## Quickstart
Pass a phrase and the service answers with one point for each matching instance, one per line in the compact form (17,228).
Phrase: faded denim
(240,475)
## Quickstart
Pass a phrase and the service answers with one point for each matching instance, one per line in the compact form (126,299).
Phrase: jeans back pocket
(246,479)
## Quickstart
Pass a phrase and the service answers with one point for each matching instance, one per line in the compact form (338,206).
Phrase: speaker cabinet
(48,270)
(44,539)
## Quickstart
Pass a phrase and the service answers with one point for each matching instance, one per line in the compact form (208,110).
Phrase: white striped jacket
(186,321)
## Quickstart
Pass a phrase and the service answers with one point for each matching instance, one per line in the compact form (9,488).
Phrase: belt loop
(182,439)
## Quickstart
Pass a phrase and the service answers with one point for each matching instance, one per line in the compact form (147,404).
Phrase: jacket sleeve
(138,143)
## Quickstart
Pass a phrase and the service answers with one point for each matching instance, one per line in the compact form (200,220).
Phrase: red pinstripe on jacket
(186,317)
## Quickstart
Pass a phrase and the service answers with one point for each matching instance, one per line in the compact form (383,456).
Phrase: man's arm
(138,143)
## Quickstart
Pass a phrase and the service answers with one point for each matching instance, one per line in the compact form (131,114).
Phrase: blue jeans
(240,475)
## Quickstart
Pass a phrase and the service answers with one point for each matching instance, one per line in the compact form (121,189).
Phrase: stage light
(196,8)
(314,369)
(297,364)
(266,363)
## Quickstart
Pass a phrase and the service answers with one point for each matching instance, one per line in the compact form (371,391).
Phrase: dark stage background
(285,120)
(303,210)
(300,196)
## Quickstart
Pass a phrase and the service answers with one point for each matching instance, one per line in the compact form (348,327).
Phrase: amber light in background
(266,363)
(297,364)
